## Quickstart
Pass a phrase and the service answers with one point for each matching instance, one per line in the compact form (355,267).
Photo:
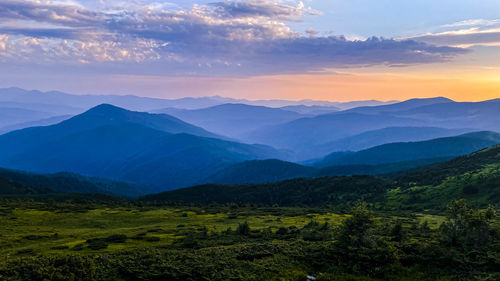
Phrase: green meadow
(49,240)
(52,232)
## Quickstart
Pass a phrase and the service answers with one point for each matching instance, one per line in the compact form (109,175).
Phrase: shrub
(243,229)
(116,238)
(97,244)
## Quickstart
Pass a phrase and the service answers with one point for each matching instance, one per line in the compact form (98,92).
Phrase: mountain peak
(105,108)
(433,100)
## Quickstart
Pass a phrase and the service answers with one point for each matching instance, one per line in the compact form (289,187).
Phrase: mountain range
(310,135)
(410,151)
(234,120)
(114,143)
(19,106)
(474,177)
(383,159)
(169,144)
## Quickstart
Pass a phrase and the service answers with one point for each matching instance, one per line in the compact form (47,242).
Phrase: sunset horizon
(254,49)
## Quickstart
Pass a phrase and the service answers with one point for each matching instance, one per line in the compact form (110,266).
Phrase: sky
(337,50)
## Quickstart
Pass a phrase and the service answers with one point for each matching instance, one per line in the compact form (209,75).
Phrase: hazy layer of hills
(19,107)
(475,177)
(373,138)
(383,159)
(154,149)
(309,136)
(222,140)
(234,120)
(408,151)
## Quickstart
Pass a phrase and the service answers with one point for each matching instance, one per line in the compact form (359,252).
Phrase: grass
(479,187)
(30,231)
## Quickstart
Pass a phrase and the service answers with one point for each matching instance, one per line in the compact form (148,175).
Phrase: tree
(355,230)
(465,227)
(243,229)
(362,248)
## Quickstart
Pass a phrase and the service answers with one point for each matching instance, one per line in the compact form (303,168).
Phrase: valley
(367,193)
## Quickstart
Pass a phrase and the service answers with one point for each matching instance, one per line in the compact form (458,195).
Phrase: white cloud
(245,36)
(476,32)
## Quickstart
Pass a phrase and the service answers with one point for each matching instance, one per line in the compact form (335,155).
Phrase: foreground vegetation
(120,240)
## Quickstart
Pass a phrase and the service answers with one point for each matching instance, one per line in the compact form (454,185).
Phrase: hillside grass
(481,187)
(28,231)
(126,241)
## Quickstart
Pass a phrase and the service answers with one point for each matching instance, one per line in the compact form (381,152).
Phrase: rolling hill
(309,136)
(479,115)
(9,188)
(260,171)
(475,177)
(22,140)
(410,151)
(37,123)
(24,183)
(319,191)
(265,171)
(233,120)
(400,106)
(311,109)
(152,149)
(305,134)
(11,115)
(374,138)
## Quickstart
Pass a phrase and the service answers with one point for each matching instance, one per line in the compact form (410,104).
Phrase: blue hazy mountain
(11,115)
(373,138)
(234,120)
(36,123)
(311,109)
(259,171)
(442,112)
(479,115)
(75,104)
(106,141)
(400,106)
(82,102)
(96,117)
(263,171)
(411,151)
(305,134)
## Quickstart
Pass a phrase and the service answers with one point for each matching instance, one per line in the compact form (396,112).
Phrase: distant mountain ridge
(83,102)
(232,119)
(106,141)
(308,136)
(410,151)
(374,138)
(304,135)
(475,177)
(266,171)
(32,106)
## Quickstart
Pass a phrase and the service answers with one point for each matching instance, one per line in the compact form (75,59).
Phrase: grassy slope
(57,231)
(475,177)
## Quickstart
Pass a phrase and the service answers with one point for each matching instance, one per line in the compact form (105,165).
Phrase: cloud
(473,23)
(229,37)
(477,32)
(261,8)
